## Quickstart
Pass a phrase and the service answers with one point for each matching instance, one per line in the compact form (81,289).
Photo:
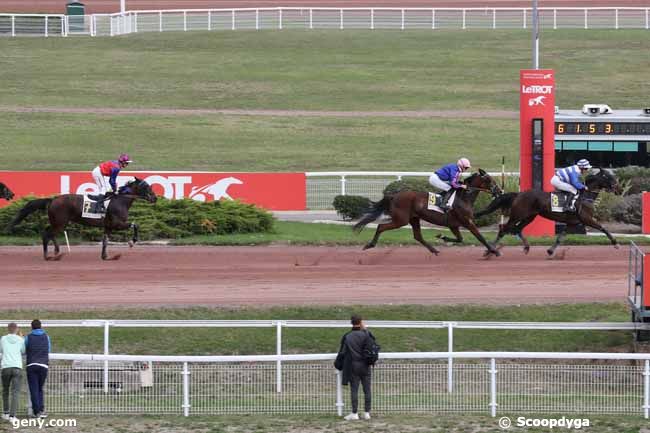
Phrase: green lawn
(319,70)
(244,341)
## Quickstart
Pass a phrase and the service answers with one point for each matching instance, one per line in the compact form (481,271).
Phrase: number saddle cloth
(561,201)
(94,206)
(436,200)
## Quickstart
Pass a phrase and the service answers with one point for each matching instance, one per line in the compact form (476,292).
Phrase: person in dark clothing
(37,351)
(352,362)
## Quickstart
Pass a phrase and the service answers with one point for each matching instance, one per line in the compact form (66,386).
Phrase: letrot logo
(218,190)
(544,90)
(536,101)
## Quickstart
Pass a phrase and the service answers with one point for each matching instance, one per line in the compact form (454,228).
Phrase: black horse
(5,192)
(525,206)
(409,207)
(67,208)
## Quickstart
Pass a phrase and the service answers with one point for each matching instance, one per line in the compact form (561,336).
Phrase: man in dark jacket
(37,351)
(355,368)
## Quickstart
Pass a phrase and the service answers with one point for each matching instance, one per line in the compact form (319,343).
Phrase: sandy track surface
(280,275)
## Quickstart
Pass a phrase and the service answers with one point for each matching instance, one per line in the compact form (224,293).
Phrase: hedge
(166,219)
(351,207)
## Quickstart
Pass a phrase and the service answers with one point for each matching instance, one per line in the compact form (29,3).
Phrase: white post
(493,388)
(646,389)
(646,20)
(46,26)
(63,26)
(494,18)
(450,360)
(186,390)
(184,21)
(524,18)
(122,6)
(586,26)
(160,21)
(232,19)
(280,18)
(342,184)
(13,25)
(94,25)
(554,19)
(616,18)
(110,20)
(311,18)
(278,351)
(209,20)
(433,19)
(106,352)
(464,15)
(257,19)
(402,19)
(372,19)
(341,19)
(339,394)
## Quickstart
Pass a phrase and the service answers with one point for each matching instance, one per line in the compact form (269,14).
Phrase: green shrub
(638,179)
(604,209)
(408,184)
(351,207)
(166,219)
(628,210)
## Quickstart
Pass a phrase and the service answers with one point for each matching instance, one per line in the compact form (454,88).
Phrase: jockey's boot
(572,203)
(444,205)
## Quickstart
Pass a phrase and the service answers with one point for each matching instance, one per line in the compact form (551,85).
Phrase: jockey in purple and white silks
(447,179)
(568,179)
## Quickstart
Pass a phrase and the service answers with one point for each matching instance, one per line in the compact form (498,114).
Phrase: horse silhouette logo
(547,76)
(218,190)
(536,101)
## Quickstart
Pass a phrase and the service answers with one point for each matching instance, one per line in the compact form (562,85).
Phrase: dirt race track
(280,275)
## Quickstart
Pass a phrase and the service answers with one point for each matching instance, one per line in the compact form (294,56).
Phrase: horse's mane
(470,178)
(602,173)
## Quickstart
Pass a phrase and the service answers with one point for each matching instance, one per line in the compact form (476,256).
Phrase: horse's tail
(504,201)
(31,207)
(373,213)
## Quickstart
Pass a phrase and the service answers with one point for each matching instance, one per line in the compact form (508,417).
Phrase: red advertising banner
(537,146)
(272,191)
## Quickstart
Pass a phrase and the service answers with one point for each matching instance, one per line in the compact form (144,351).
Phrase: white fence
(484,382)
(329,18)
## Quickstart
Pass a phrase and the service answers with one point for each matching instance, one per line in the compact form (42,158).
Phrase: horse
(67,208)
(525,206)
(409,207)
(5,192)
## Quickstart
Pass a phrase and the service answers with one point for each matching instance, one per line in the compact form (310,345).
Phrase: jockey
(447,179)
(109,170)
(568,179)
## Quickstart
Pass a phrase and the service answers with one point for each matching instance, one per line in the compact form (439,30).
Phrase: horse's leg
(136,234)
(394,224)
(104,245)
(46,236)
(456,232)
(590,222)
(558,239)
(417,234)
(519,228)
(471,226)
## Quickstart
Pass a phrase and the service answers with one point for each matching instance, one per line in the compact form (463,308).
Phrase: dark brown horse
(67,208)
(525,206)
(5,192)
(409,207)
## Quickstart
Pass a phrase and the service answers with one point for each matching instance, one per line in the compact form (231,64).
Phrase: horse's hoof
(550,252)
(617,246)
(131,243)
(115,257)
(367,247)
(57,257)
(526,250)
(435,253)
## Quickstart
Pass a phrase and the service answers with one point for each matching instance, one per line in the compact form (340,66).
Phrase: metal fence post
(341,20)
(186,390)
(47,29)
(339,394)
(209,20)
(402,19)
(184,21)
(135,22)
(586,25)
(450,359)
(311,19)
(433,19)
(233,20)
(94,25)
(646,389)
(524,18)
(616,18)
(494,18)
(464,19)
(257,19)
(13,25)
(647,21)
(106,352)
(372,19)
(554,19)
(110,20)
(493,388)
(278,351)
(280,18)
(160,21)
(343,184)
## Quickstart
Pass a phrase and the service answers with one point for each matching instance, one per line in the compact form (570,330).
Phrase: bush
(628,210)
(166,219)
(408,184)
(351,207)
(638,179)
(604,209)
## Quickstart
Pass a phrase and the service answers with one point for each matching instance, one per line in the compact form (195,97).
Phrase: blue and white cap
(584,164)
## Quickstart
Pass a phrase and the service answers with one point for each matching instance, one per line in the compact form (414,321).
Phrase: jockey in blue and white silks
(447,179)
(568,179)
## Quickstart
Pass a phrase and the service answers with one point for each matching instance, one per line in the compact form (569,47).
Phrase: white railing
(32,25)
(332,18)
(402,382)
(322,187)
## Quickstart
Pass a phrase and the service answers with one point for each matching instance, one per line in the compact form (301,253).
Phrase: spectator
(37,350)
(351,360)
(12,349)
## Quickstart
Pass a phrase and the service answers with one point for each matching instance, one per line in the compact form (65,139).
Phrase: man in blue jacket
(37,351)
(447,179)
(568,179)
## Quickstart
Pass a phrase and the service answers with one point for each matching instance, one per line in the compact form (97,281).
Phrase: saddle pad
(559,201)
(432,203)
(90,208)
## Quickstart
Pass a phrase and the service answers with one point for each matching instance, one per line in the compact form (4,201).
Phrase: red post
(645,213)
(537,163)
(646,279)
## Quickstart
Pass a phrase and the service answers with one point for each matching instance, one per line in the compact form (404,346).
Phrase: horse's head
(139,188)
(5,192)
(603,180)
(483,181)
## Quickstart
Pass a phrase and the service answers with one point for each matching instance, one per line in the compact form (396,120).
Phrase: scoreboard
(616,139)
